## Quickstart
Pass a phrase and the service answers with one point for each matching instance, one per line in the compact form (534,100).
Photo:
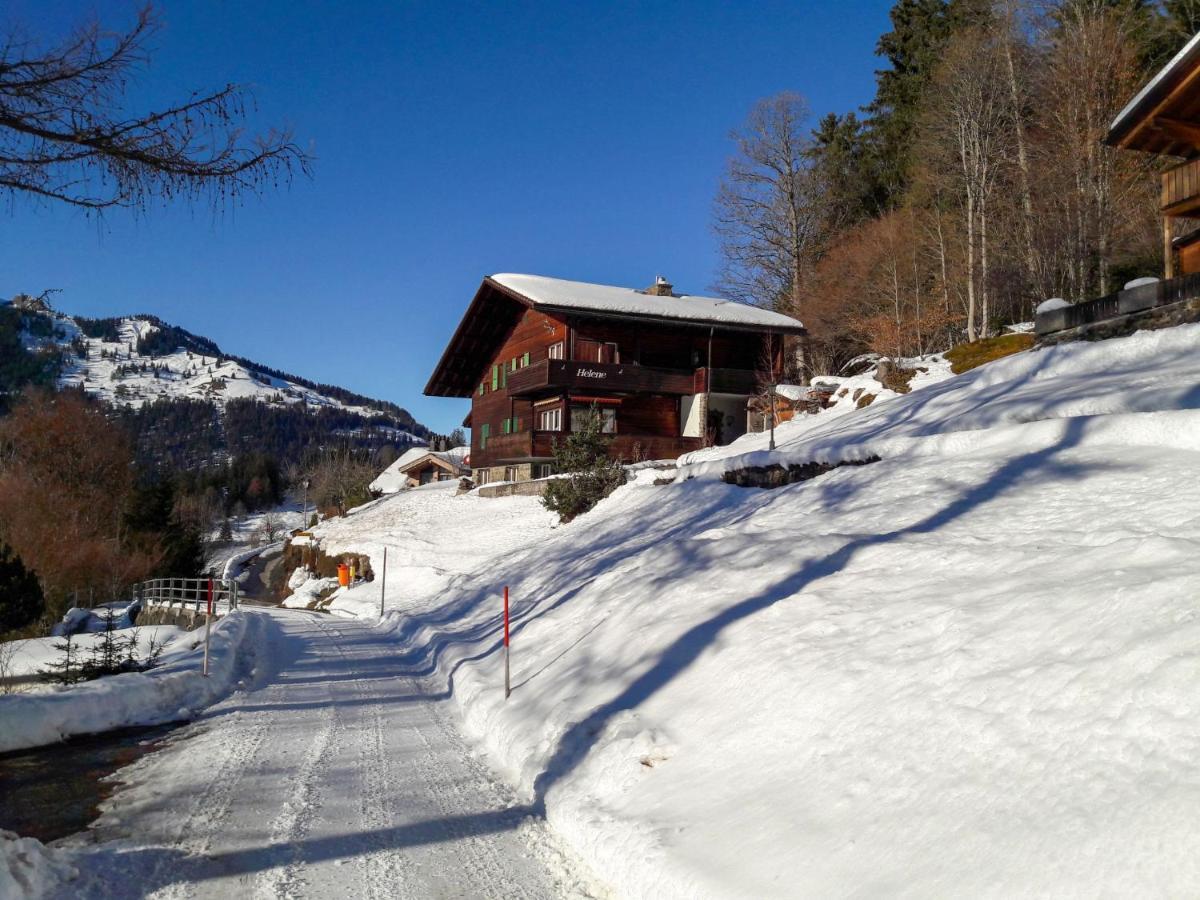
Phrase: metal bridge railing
(188,593)
(198,594)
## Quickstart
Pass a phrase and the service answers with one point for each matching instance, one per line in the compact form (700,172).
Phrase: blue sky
(452,140)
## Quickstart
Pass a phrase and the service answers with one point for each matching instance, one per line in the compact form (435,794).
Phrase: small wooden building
(1164,119)
(420,465)
(669,373)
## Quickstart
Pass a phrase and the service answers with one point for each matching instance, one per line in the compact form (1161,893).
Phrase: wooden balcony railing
(567,374)
(1181,189)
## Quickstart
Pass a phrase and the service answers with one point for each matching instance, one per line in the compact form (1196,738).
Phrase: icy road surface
(332,774)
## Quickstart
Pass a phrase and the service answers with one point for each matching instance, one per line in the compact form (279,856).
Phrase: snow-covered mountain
(132,360)
(190,404)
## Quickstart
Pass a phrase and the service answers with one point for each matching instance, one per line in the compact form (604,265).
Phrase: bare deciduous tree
(768,213)
(65,136)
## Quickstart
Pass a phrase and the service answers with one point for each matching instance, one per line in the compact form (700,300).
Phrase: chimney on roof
(661,287)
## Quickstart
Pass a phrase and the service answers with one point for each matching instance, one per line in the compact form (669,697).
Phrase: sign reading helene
(585,372)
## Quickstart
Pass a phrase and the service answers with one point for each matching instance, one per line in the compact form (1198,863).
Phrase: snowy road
(331,775)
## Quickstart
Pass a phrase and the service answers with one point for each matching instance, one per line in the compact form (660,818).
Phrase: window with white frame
(555,351)
(550,419)
(608,418)
(542,470)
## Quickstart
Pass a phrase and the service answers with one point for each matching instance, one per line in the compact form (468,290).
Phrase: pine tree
(21,600)
(593,474)
(67,669)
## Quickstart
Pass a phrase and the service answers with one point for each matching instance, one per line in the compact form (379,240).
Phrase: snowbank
(1147,372)
(434,536)
(28,868)
(173,690)
(967,669)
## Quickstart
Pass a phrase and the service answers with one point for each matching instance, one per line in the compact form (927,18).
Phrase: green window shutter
(481,388)
(507,424)
(504,376)
(483,436)
(495,377)
(525,359)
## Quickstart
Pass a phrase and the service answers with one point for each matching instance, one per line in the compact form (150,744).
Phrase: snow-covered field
(966,669)
(174,689)
(35,654)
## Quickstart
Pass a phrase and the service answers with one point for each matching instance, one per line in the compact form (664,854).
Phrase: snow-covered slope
(117,372)
(967,669)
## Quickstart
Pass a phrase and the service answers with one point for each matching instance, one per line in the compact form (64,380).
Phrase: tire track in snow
(295,819)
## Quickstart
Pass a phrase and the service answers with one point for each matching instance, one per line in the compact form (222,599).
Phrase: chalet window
(550,419)
(555,351)
(525,359)
(512,426)
(481,477)
(608,353)
(512,473)
(608,418)
(542,470)
(483,435)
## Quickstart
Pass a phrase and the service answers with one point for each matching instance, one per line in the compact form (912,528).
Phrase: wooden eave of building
(479,334)
(1187,240)
(1164,118)
(436,461)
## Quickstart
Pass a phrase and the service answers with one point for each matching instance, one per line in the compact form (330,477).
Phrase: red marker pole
(507,687)
(208,625)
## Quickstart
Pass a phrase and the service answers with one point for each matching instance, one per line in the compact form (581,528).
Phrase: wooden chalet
(1164,119)
(669,373)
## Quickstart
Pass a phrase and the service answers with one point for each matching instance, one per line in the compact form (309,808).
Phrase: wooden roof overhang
(492,314)
(430,459)
(1164,117)
(495,311)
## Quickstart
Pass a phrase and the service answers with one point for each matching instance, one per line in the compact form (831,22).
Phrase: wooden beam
(1178,130)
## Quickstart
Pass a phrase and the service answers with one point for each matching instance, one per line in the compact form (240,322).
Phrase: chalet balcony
(526,445)
(570,375)
(1181,189)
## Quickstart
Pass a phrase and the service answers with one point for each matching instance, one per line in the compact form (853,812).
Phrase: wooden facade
(1164,119)
(530,371)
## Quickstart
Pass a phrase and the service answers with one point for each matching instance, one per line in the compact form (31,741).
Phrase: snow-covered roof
(558,293)
(395,477)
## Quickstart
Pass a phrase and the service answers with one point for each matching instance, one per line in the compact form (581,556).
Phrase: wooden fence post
(383,583)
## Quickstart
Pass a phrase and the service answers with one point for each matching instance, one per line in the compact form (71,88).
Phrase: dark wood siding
(533,334)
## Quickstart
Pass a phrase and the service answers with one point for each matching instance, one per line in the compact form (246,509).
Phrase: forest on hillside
(972,187)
